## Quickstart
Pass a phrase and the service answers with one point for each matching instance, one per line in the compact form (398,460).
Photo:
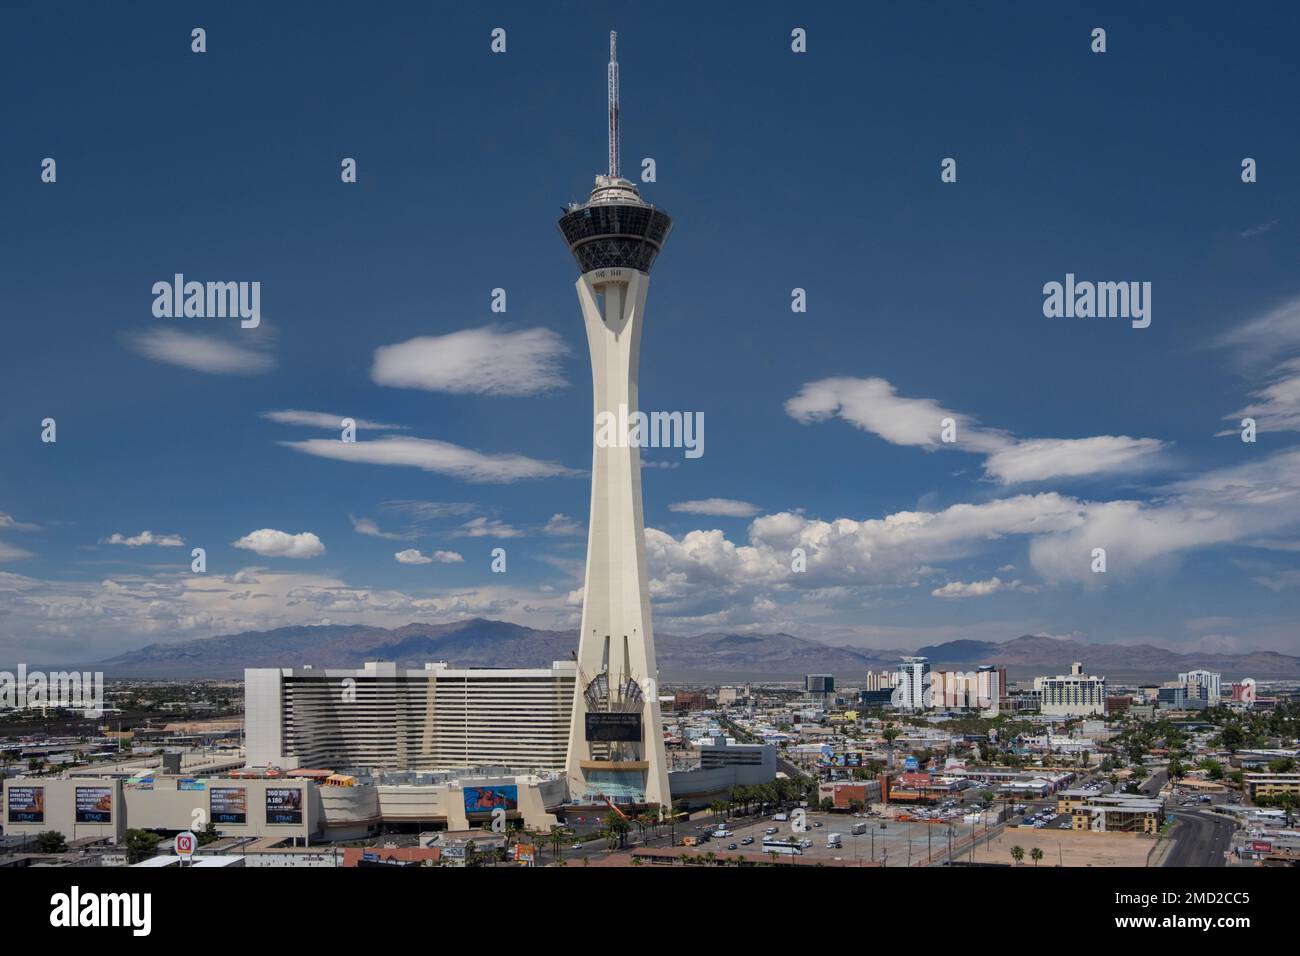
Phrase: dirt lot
(1068,848)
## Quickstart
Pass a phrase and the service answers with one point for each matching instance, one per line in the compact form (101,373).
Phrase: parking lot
(893,844)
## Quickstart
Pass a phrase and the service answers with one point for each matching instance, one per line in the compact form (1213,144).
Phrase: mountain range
(478,642)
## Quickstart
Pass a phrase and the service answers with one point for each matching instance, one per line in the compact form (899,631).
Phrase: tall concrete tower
(616,749)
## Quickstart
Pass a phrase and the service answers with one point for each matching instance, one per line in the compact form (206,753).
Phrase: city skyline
(924,301)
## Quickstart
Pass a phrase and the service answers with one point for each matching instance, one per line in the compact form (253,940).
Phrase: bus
(784,847)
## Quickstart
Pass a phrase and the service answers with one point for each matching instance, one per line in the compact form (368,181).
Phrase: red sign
(1261,847)
(185,844)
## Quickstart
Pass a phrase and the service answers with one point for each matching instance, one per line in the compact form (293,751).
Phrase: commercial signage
(26,805)
(283,805)
(94,805)
(487,799)
(185,844)
(624,728)
(229,804)
(189,783)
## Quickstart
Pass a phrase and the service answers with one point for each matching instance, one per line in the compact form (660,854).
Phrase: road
(1152,786)
(1200,839)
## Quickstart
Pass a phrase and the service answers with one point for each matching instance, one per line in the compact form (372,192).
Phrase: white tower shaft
(616,630)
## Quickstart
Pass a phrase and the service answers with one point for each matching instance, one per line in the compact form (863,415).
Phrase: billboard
(229,804)
(26,805)
(189,783)
(94,805)
(487,799)
(624,728)
(283,805)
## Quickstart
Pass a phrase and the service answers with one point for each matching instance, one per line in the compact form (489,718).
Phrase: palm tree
(1018,854)
(1036,854)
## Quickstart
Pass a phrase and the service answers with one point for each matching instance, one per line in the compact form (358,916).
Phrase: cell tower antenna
(613,104)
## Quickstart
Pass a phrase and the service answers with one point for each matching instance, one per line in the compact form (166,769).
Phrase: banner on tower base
(614,728)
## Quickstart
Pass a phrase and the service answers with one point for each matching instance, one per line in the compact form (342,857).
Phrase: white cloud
(719,507)
(431,455)
(485,361)
(486,528)
(203,353)
(561,526)
(421,511)
(413,556)
(9,553)
(368,527)
(279,544)
(10,523)
(146,538)
(968,589)
(872,405)
(290,416)
(1038,459)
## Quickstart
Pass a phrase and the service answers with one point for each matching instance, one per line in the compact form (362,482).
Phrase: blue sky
(818,171)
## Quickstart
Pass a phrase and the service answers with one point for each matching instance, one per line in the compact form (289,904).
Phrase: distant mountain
(1054,655)
(482,643)
(715,656)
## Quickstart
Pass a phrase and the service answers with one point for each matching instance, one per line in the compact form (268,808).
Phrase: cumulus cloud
(290,416)
(146,538)
(204,353)
(717,507)
(484,361)
(873,405)
(280,544)
(436,456)
(413,556)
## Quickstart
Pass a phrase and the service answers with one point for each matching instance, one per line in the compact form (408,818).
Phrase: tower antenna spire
(613,104)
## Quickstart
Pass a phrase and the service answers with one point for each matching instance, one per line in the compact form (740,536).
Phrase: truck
(858,829)
(834,841)
(782,816)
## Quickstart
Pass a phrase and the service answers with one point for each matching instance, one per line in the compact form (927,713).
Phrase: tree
(140,845)
(1281,765)
(1018,853)
(1036,854)
(208,834)
(51,841)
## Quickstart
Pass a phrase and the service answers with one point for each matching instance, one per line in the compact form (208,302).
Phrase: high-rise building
(615,741)
(981,689)
(881,680)
(912,684)
(1071,695)
(1206,685)
(383,716)
(819,683)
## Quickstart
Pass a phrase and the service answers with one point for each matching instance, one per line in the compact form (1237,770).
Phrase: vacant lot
(1066,847)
